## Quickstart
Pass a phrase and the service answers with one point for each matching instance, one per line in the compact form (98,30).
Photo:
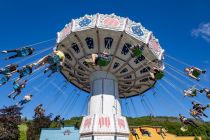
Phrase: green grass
(23,129)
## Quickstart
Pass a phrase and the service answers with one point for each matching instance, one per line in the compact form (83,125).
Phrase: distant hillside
(171,123)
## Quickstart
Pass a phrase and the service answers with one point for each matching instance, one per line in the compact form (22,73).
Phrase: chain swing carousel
(134,64)
(113,59)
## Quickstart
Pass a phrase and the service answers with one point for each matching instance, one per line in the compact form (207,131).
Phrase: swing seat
(159,75)
(26,71)
(164,130)
(5,71)
(184,128)
(137,52)
(23,52)
(194,92)
(3,80)
(53,59)
(16,86)
(196,73)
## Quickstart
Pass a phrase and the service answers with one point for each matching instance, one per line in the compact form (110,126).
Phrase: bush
(23,129)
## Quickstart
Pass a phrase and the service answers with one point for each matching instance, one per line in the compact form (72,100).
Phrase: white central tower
(104,120)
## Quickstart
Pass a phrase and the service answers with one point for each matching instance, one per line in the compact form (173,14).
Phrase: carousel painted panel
(87,125)
(137,30)
(83,23)
(104,124)
(64,32)
(155,47)
(111,22)
(121,124)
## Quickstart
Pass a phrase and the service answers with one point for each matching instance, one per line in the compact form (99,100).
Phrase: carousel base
(104,127)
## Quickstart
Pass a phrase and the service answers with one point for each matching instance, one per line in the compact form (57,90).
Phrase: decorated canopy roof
(93,34)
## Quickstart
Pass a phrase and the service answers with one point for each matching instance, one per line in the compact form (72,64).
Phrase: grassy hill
(171,123)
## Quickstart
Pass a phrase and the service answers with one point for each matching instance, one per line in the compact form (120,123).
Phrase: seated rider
(145,132)
(101,60)
(134,133)
(25,100)
(191,92)
(61,122)
(196,114)
(26,70)
(207,92)
(39,111)
(194,72)
(56,58)
(57,118)
(17,86)
(156,74)
(21,52)
(5,79)
(162,131)
(9,69)
(54,68)
(187,121)
(199,109)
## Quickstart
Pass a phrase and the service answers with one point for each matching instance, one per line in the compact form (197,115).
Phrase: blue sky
(182,27)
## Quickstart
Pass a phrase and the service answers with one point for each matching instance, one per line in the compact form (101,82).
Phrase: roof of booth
(66,133)
(95,33)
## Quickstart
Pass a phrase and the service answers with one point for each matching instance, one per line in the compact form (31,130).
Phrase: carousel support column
(104,99)
(104,120)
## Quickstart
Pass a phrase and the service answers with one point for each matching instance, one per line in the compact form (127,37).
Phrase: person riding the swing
(187,121)
(194,72)
(100,60)
(57,57)
(39,111)
(199,109)
(54,68)
(61,122)
(197,115)
(21,52)
(207,91)
(191,92)
(25,100)
(145,132)
(57,118)
(9,69)
(17,86)
(162,131)
(26,70)
(135,134)
(156,74)
(5,79)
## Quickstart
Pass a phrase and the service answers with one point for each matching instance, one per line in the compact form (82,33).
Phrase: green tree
(10,118)
(35,126)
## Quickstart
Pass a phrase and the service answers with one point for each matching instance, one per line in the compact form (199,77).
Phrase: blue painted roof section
(66,133)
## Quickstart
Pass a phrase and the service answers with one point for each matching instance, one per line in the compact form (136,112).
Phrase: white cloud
(202,31)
